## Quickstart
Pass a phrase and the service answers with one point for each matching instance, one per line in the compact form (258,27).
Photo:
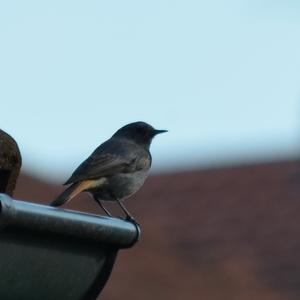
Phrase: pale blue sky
(222,76)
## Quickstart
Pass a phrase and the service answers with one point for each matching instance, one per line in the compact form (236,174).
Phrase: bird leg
(102,206)
(128,215)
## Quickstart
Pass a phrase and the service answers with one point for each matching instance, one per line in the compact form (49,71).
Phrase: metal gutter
(120,233)
(49,253)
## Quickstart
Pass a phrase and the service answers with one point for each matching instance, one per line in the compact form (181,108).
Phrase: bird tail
(69,193)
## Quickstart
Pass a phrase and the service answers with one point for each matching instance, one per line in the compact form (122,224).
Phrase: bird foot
(131,219)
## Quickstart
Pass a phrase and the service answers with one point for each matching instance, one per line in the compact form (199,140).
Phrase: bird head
(139,132)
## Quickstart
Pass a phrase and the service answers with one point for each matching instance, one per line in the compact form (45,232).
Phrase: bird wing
(97,166)
(111,157)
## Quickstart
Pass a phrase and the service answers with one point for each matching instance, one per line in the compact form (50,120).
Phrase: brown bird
(116,169)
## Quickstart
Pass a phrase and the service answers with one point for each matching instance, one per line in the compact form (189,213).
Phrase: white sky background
(222,76)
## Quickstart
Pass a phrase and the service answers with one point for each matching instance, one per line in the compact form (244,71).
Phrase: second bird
(116,169)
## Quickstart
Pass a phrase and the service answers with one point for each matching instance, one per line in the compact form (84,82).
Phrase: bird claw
(132,220)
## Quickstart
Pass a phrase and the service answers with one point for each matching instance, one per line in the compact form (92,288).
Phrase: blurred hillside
(219,234)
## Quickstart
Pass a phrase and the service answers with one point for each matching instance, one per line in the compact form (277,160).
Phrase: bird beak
(156,131)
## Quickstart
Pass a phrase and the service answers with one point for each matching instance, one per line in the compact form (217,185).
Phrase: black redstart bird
(116,169)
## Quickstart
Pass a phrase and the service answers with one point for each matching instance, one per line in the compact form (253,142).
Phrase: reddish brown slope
(216,234)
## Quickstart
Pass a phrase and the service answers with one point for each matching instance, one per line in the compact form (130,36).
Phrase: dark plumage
(116,169)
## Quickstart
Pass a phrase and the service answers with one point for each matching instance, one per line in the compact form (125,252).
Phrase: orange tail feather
(71,192)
